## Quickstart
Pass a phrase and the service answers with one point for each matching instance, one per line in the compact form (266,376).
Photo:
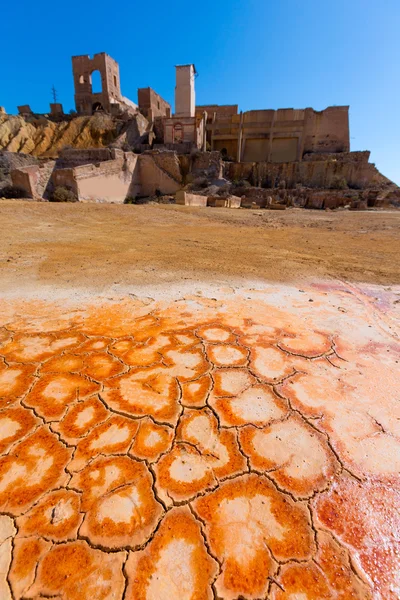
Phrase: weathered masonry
(109,97)
(283,135)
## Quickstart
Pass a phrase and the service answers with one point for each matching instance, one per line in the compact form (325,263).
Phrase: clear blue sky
(256,53)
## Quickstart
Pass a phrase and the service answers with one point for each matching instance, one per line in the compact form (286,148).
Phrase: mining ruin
(115,150)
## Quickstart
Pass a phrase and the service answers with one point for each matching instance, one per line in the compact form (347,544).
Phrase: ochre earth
(171,439)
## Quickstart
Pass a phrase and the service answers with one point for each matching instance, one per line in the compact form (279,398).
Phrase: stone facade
(35,180)
(108,181)
(185,126)
(283,135)
(56,109)
(109,98)
(316,171)
(151,105)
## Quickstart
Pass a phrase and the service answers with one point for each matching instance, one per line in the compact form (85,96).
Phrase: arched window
(81,79)
(178,134)
(96,82)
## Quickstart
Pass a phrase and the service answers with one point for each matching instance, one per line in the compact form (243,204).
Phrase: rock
(229,202)
(188,199)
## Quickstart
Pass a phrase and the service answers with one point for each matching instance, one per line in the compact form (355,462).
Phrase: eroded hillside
(43,137)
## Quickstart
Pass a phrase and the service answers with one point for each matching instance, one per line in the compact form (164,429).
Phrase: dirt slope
(42,137)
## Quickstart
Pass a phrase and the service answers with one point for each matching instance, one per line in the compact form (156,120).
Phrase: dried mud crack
(200,449)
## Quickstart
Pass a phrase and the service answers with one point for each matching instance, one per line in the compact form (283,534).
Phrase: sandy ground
(198,404)
(98,247)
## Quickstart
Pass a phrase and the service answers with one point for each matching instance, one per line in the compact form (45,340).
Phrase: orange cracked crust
(80,419)
(218,447)
(183,473)
(74,571)
(114,436)
(151,440)
(195,393)
(231,382)
(175,565)
(329,577)
(26,554)
(101,365)
(125,516)
(201,456)
(15,423)
(144,392)
(271,364)
(56,517)
(224,355)
(257,405)
(248,521)
(308,343)
(54,392)
(38,347)
(15,380)
(34,466)
(102,476)
(297,456)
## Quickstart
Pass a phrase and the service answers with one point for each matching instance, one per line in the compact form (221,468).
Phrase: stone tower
(185,104)
(86,101)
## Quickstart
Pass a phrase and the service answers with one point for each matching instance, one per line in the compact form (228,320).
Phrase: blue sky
(256,53)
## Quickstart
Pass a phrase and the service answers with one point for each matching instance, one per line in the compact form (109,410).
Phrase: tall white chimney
(185,103)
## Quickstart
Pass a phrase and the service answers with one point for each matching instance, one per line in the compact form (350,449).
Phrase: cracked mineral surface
(230,443)
(229,448)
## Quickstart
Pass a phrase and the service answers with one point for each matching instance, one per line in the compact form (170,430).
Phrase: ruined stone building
(276,136)
(110,99)
(151,152)
(283,135)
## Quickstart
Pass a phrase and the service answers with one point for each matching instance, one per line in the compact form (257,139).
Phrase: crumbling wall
(10,161)
(159,173)
(152,105)
(74,157)
(34,179)
(336,170)
(208,164)
(327,130)
(108,181)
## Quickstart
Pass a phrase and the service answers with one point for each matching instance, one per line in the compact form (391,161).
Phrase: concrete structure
(283,135)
